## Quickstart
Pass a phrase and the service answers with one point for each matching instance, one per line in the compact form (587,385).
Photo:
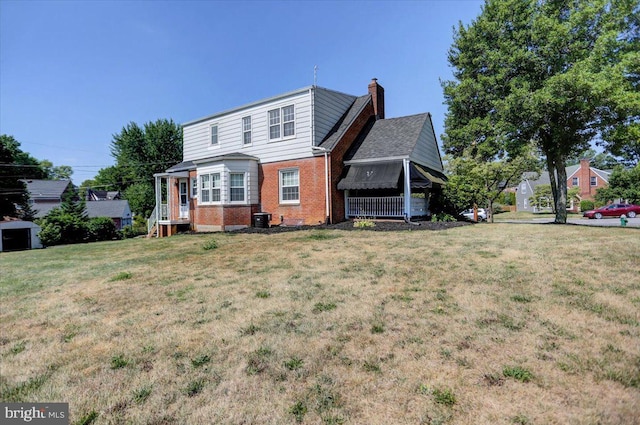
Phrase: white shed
(17,235)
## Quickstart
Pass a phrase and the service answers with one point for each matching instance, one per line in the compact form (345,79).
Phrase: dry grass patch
(479,324)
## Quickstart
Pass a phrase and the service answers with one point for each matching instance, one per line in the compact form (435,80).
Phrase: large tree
(623,184)
(557,73)
(140,152)
(16,165)
(473,181)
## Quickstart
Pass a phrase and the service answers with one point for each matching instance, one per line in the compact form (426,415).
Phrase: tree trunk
(558,179)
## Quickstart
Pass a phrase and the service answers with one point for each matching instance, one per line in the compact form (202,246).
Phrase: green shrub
(362,223)
(586,205)
(101,229)
(443,217)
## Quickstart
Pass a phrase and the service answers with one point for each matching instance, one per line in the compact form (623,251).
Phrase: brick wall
(584,175)
(311,208)
(337,164)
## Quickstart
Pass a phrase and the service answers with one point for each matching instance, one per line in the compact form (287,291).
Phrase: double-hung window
(194,188)
(205,188)
(282,123)
(289,186)
(214,135)
(594,181)
(215,187)
(236,187)
(210,188)
(246,130)
(574,182)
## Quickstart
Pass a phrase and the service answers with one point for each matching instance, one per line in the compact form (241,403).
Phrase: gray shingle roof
(111,209)
(345,122)
(182,166)
(46,189)
(389,138)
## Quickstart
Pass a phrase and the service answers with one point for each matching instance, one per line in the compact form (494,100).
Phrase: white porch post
(346,204)
(158,205)
(407,189)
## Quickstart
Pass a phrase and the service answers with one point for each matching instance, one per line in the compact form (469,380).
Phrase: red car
(614,210)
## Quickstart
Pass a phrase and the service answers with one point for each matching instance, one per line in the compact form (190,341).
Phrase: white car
(482,214)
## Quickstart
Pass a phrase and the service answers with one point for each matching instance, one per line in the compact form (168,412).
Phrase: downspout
(326,179)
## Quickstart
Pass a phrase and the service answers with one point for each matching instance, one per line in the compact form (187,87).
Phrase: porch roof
(381,175)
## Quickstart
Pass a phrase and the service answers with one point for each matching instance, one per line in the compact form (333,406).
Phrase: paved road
(604,222)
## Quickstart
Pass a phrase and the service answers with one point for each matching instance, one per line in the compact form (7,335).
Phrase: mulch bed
(380,226)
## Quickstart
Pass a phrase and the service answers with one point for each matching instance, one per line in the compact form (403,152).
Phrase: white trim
(280,124)
(244,201)
(245,131)
(280,186)
(217,143)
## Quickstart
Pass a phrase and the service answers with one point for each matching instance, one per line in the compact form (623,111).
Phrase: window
(214,135)
(215,187)
(205,186)
(282,123)
(288,121)
(575,182)
(246,130)
(289,186)
(594,181)
(236,187)
(274,124)
(523,189)
(194,188)
(210,188)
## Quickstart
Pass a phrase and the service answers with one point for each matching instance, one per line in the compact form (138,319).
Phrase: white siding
(197,138)
(426,151)
(250,168)
(330,106)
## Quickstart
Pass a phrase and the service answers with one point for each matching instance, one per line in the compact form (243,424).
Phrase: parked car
(613,210)
(468,214)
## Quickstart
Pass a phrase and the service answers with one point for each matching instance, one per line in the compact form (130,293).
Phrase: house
(46,195)
(102,195)
(309,156)
(16,235)
(117,210)
(588,179)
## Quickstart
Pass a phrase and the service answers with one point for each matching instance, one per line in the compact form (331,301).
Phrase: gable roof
(345,122)
(389,138)
(111,209)
(46,189)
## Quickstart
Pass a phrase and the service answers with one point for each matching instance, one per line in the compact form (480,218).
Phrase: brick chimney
(377,95)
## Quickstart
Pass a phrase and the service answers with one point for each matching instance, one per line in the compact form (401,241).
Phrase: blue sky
(73,73)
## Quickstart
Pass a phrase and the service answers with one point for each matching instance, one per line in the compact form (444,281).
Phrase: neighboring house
(45,195)
(581,176)
(309,156)
(118,211)
(102,195)
(16,235)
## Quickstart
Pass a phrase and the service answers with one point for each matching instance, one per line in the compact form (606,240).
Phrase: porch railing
(151,221)
(382,206)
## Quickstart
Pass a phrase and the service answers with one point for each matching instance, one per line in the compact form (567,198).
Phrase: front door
(184,199)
